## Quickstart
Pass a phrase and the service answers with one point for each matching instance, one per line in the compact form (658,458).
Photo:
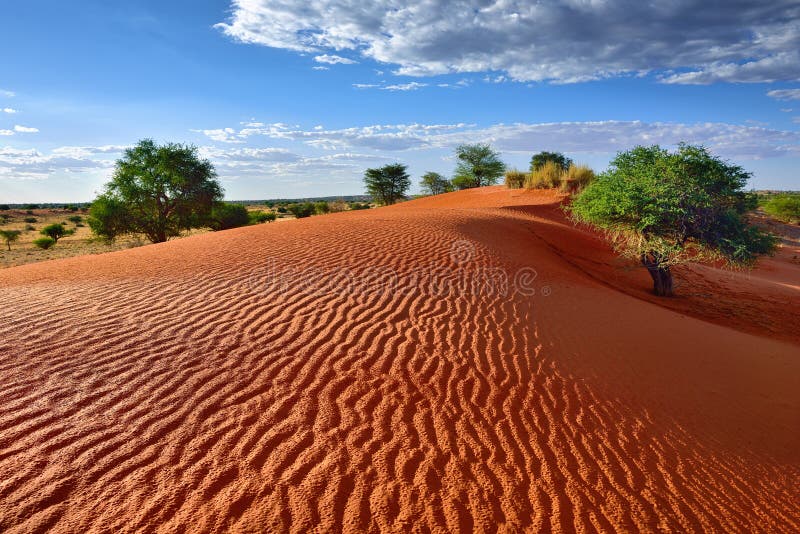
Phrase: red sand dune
(185,387)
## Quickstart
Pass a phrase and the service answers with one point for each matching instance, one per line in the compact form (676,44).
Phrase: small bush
(337,206)
(225,216)
(321,207)
(72,208)
(282,209)
(359,206)
(29,228)
(44,242)
(56,231)
(303,209)
(576,178)
(784,207)
(545,177)
(76,219)
(28,212)
(515,179)
(30,219)
(258,217)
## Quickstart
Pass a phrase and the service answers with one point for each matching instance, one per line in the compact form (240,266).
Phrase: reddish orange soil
(277,378)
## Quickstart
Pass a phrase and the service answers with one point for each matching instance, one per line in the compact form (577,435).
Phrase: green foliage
(258,217)
(302,209)
(30,219)
(72,208)
(44,242)
(359,206)
(538,160)
(29,228)
(576,178)
(545,177)
(515,179)
(56,231)
(669,208)
(158,191)
(225,216)
(5,218)
(433,183)
(337,206)
(387,184)
(4,207)
(31,207)
(9,236)
(785,207)
(282,209)
(478,165)
(321,207)
(76,219)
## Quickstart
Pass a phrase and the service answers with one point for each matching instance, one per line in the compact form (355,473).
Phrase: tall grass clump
(576,178)
(545,177)
(784,207)
(515,179)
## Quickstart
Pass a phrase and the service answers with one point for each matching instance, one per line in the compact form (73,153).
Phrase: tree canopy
(538,160)
(158,191)
(433,183)
(478,165)
(9,236)
(667,208)
(387,184)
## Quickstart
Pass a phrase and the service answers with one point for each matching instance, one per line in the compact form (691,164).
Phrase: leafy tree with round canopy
(9,236)
(56,231)
(158,191)
(665,209)
(538,160)
(433,183)
(478,165)
(387,184)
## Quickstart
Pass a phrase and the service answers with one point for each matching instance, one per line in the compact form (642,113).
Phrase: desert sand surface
(347,373)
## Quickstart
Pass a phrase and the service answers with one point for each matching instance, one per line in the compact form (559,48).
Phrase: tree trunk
(661,275)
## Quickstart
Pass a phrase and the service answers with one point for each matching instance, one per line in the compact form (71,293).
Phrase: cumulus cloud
(8,110)
(561,41)
(33,164)
(730,140)
(25,129)
(332,59)
(784,94)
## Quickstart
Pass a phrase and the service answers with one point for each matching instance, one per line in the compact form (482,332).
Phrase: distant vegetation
(784,207)
(478,165)
(664,209)
(225,216)
(433,183)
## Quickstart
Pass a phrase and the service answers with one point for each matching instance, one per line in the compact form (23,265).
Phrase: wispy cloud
(784,94)
(743,41)
(8,94)
(25,129)
(8,110)
(332,59)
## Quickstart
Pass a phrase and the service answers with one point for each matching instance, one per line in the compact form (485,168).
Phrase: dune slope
(469,361)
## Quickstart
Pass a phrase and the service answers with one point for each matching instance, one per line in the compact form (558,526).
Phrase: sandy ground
(358,372)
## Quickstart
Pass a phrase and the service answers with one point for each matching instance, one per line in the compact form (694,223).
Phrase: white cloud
(412,86)
(784,94)
(223,135)
(729,140)
(8,110)
(7,94)
(6,133)
(320,67)
(26,164)
(25,129)
(562,41)
(332,59)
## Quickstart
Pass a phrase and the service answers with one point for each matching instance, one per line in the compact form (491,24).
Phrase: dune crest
(370,371)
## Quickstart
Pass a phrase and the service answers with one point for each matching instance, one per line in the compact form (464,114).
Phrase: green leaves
(682,206)
(478,165)
(387,184)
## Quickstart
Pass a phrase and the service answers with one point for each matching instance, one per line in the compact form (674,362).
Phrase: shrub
(4,218)
(44,242)
(76,219)
(258,217)
(56,232)
(302,209)
(321,207)
(72,208)
(337,206)
(29,228)
(282,209)
(32,206)
(359,206)
(4,207)
(545,177)
(784,207)
(30,219)
(576,178)
(515,179)
(225,216)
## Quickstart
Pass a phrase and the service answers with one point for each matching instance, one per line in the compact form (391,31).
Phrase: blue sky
(295,99)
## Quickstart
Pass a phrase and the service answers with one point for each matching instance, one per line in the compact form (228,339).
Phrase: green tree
(302,210)
(158,191)
(225,215)
(44,242)
(387,184)
(56,231)
(538,160)
(433,183)
(664,209)
(478,165)
(258,217)
(9,236)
